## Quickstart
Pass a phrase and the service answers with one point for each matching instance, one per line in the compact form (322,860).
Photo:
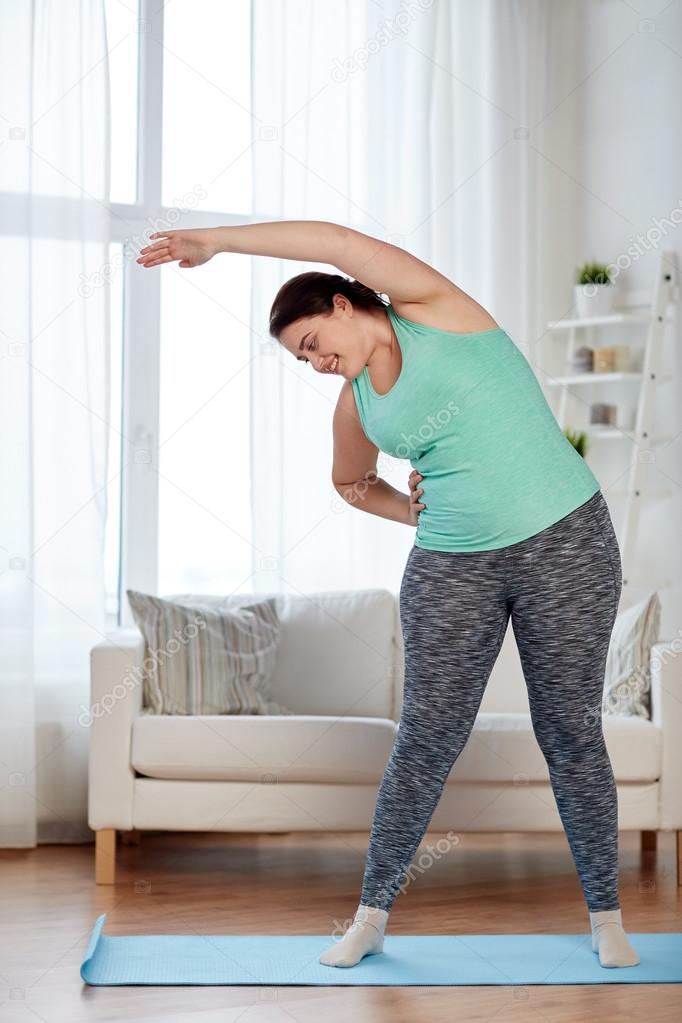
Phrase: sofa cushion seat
(262,748)
(355,750)
(502,747)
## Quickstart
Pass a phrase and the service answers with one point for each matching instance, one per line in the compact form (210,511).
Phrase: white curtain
(54,182)
(424,124)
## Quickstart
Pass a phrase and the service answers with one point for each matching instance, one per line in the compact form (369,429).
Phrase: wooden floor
(307,884)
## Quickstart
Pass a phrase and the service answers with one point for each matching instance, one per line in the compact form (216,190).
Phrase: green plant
(594,273)
(578,439)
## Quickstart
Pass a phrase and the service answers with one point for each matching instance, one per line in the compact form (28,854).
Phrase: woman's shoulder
(453,312)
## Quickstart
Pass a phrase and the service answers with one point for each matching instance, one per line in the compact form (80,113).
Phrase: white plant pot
(593,299)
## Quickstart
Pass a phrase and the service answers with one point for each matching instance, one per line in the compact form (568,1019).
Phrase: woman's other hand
(192,247)
(416,491)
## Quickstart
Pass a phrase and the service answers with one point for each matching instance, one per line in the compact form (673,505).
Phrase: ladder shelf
(655,314)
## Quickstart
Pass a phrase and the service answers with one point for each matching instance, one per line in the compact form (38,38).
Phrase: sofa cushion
(627,681)
(260,748)
(337,650)
(202,659)
(503,747)
(314,748)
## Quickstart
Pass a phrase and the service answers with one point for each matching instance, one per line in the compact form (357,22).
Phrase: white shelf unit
(656,313)
(591,378)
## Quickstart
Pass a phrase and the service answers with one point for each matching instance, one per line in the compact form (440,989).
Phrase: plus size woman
(510,523)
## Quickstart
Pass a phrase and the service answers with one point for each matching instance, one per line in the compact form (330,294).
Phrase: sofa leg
(648,841)
(105,856)
(678,857)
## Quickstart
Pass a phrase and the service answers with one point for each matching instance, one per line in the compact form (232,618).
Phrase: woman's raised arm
(386,268)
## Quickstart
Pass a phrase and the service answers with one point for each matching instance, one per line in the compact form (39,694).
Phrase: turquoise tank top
(469,414)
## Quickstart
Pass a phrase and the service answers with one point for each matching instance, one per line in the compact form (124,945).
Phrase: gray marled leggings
(561,588)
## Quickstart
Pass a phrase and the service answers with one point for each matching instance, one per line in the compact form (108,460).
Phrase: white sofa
(339,668)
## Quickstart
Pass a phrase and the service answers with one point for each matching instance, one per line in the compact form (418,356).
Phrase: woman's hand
(416,506)
(192,247)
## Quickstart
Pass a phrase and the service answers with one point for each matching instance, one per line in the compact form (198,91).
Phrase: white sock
(610,940)
(365,936)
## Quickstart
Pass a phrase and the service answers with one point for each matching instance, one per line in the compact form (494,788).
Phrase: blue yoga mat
(425,959)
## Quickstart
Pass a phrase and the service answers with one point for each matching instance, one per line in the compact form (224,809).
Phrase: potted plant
(594,290)
(578,439)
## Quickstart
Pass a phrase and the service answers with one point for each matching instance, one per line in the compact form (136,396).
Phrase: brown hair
(312,293)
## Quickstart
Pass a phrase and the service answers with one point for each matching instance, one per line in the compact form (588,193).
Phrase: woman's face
(333,342)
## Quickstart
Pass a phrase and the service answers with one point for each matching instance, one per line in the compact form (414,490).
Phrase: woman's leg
(453,617)
(453,613)
(565,588)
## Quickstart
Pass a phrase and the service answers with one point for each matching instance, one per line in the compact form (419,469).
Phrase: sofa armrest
(115,702)
(666,714)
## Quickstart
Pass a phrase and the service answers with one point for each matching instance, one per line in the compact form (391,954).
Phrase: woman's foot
(610,940)
(365,936)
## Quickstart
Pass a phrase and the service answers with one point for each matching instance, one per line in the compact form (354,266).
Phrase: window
(123,22)
(206,104)
(204,483)
(179,485)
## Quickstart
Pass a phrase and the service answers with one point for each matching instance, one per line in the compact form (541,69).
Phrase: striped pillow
(200,659)
(627,683)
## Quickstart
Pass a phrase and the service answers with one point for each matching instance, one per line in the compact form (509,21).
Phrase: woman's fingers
(148,257)
(157,262)
(151,255)
(157,245)
(416,506)
(415,490)
(164,236)
(189,247)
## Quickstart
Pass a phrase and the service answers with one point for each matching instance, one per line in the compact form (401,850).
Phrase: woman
(513,524)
